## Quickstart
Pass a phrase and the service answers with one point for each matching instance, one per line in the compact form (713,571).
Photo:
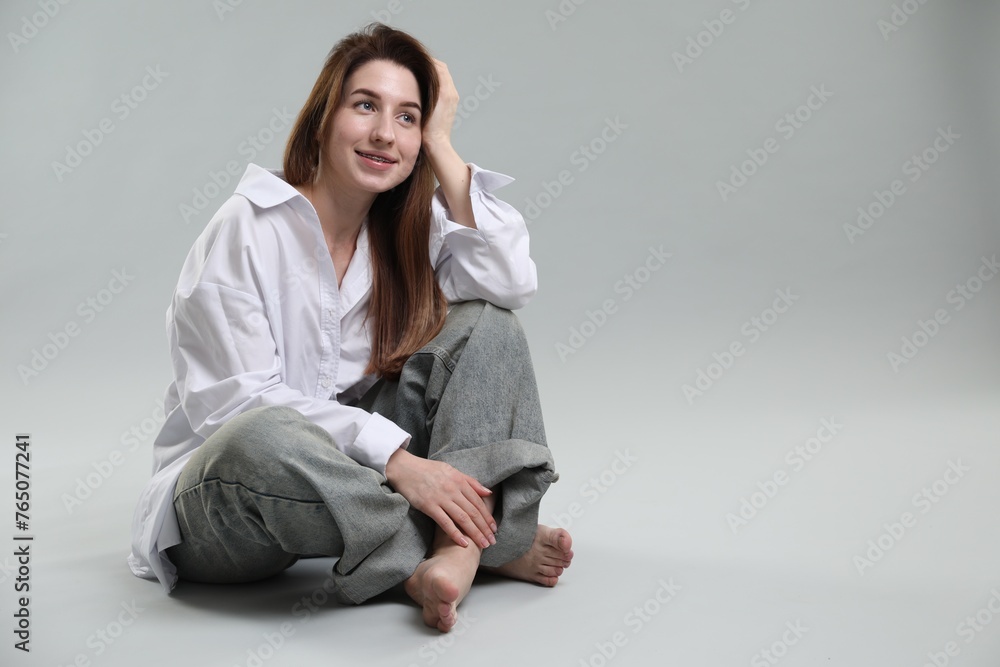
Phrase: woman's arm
(479,244)
(451,171)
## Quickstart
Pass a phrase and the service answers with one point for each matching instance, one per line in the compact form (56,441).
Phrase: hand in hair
(437,130)
(450,497)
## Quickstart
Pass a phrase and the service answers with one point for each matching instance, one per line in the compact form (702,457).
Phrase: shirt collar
(265,187)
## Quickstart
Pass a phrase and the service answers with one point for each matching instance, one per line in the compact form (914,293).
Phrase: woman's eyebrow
(371,93)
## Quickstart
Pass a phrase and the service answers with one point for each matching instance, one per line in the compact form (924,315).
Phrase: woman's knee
(502,318)
(484,316)
(252,441)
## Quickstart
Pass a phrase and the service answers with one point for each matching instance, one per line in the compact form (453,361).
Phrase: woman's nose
(383,130)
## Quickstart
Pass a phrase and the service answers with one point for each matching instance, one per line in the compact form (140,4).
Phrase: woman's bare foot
(549,555)
(443,580)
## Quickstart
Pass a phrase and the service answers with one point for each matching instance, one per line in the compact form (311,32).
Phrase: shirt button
(325,382)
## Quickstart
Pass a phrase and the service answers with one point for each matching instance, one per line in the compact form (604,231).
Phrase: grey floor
(659,577)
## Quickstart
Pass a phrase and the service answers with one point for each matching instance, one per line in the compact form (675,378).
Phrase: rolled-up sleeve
(226,362)
(490,262)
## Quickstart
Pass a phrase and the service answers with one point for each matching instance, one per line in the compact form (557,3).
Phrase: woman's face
(379,116)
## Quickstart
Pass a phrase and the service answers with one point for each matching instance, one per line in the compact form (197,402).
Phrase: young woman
(348,377)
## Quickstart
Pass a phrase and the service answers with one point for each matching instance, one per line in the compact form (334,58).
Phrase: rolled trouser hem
(388,565)
(521,472)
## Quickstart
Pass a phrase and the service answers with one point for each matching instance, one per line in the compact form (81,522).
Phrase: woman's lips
(373,163)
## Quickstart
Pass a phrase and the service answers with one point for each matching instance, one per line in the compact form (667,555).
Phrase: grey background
(664,516)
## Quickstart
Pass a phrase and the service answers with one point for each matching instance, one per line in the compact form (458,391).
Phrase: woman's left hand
(453,499)
(437,131)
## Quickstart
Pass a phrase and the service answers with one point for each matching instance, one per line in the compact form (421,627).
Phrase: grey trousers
(270,486)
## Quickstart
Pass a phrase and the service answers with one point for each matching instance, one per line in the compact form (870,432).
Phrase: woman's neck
(340,215)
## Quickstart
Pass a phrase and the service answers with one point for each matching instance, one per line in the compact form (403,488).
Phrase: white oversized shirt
(257,319)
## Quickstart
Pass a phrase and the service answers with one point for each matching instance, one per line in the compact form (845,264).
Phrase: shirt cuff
(482,181)
(377,441)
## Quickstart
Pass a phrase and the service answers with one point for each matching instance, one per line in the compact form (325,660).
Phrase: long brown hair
(407,306)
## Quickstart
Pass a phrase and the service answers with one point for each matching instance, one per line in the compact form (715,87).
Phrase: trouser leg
(469,398)
(270,486)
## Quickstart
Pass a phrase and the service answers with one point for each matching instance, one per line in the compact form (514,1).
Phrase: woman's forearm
(455,177)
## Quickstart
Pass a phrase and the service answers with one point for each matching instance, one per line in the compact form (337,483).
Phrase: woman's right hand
(451,498)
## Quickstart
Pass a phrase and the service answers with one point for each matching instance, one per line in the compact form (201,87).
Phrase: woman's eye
(368,105)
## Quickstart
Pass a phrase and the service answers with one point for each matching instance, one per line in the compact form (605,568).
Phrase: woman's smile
(375,160)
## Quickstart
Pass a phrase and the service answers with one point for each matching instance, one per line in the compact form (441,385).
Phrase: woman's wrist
(396,465)
(435,145)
